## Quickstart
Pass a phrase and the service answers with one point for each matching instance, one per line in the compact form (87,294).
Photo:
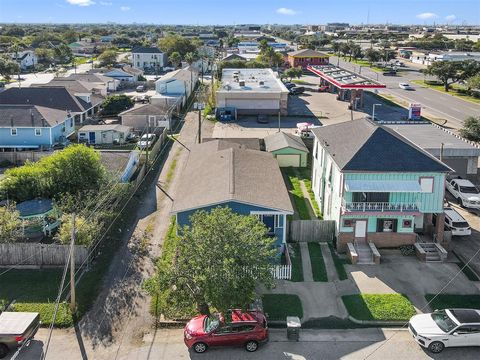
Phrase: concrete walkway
(332,274)
(306,263)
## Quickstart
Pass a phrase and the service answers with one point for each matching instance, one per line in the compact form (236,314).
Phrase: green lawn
(455,90)
(339,263)
(36,291)
(318,264)
(301,82)
(444,301)
(279,306)
(379,307)
(365,63)
(305,174)
(296,258)
(300,202)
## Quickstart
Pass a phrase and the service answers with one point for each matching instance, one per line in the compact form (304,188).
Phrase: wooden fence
(312,230)
(20,157)
(37,255)
(282,272)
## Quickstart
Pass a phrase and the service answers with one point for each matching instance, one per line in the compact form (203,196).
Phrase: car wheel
(3,351)
(436,347)
(459,201)
(251,346)
(200,347)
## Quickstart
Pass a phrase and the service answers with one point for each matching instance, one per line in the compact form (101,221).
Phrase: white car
(456,223)
(466,194)
(405,86)
(446,328)
(146,141)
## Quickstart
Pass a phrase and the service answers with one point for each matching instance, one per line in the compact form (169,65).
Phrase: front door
(91,137)
(269,221)
(361,231)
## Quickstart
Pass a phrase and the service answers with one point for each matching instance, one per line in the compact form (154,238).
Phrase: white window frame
(426,183)
(38,132)
(13,132)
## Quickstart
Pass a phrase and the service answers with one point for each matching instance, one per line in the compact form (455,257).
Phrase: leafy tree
(70,36)
(63,54)
(372,55)
(85,234)
(293,73)
(10,223)
(471,128)
(232,41)
(14,30)
(177,43)
(175,59)
(8,67)
(218,262)
(473,83)
(74,170)
(448,72)
(336,47)
(191,57)
(115,104)
(108,58)
(388,55)
(45,55)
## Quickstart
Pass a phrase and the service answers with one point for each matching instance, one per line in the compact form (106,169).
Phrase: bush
(115,104)
(379,307)
(407,250)
(471,128)
(46,310)
(445,301)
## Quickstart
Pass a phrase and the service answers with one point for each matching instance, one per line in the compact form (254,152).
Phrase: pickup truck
(17,329)
(466,194)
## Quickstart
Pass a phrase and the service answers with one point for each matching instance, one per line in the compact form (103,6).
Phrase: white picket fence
(282,272)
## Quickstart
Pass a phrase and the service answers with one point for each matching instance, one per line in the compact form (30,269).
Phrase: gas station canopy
(344,79)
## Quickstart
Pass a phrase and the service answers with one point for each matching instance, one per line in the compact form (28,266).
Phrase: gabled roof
(361,145)
(76,87)
(219,171)
(145,109)
(146,50)
(281,140)
(106,127)
(90,77)
(47,96)
(180,74)
(30,116)
(307,53)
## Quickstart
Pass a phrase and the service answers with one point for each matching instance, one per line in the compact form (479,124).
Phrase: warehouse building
(251,92)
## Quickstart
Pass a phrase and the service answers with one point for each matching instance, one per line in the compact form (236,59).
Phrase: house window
(370,197)
(13,131)
(38,132)
(426,183)
(407,224)
(151,120)
(348,223)
(387,225)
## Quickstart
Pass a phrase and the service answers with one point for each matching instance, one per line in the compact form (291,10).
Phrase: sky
(203,12)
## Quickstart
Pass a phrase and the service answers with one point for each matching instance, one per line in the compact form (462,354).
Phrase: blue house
(220,173)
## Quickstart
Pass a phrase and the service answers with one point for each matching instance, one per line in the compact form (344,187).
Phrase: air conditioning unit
(241,83)
(261,83)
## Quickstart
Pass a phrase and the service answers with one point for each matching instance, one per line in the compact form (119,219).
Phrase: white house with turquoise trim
(381,189)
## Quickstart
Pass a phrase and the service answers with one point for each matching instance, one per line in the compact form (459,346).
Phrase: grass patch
(445,301)
(454,90)
(339,263)
(365,63)
(171,169)
(379,307)
(35,291)
(296,259)
(279,306)
(318,264)
(299,201)
(302,82)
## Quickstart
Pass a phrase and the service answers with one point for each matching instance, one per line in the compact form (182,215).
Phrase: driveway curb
(376,323)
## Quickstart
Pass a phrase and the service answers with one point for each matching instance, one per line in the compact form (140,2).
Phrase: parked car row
(293,89)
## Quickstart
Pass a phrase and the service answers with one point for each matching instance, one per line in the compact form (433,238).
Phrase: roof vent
(241,83)
(261,83)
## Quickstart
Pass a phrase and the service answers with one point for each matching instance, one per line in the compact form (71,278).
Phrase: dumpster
(293,328)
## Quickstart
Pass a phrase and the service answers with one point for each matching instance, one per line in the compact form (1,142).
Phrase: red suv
(245,329)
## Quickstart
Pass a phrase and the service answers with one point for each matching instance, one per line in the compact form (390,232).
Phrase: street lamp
(373,110)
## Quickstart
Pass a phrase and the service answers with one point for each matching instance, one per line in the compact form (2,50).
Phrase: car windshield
(443,321)
(211,323)
(468,190)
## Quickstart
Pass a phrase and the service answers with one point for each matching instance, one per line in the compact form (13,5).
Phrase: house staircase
(433,251)
(365,254)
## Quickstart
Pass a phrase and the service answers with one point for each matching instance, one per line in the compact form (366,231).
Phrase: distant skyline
(225,12)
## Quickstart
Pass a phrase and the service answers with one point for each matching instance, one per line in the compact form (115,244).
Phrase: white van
(456,223)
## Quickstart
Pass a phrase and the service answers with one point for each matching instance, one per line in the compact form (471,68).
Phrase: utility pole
(279,121)
(72,267)
(199,106)
(147,145)
(441,152)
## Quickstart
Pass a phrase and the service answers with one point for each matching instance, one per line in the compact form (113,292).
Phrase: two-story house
(25,58)
(380,188)
(148,58)
(178,83)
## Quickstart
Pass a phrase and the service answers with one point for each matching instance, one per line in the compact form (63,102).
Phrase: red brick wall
(297,61)
(381,240)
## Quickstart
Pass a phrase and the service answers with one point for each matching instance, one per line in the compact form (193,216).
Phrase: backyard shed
(288,149)
(104,134)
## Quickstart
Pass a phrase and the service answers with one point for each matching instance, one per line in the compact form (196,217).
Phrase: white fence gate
(282,272)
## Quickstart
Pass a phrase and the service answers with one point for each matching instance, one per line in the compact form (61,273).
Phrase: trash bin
(293,328)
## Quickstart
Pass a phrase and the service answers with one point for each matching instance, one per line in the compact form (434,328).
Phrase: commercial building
(306,57)
(252,92)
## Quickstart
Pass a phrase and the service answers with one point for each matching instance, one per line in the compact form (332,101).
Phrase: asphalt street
(439,105)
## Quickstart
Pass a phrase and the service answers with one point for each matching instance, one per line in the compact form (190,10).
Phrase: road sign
(199,106)
(414,112)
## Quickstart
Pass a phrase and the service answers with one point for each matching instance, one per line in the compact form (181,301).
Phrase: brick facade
(381,240)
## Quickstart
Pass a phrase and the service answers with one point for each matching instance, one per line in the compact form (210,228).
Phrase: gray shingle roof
(281,140)
(30,116)
(219,171)
(146,50)
(361,145)
(145,109)
(75,87)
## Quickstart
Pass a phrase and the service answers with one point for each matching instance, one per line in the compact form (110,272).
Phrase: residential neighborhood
(295,182)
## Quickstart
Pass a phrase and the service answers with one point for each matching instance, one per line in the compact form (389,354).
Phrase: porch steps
(431,251)
(365,254)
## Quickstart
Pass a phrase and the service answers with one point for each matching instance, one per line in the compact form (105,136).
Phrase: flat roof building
(252,92)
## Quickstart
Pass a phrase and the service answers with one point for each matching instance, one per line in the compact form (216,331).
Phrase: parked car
(323,88)
(146,141)
(446,328)
(465,193)
(140,88)
(16,329)
(289,85)
(390,73)
(297,90)
(247,329)
(304,130)
(456,223)
(405,86)
(262,119)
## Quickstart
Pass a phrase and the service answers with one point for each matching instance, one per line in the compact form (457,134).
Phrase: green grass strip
(319,270)
(279,306)
(379,307)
